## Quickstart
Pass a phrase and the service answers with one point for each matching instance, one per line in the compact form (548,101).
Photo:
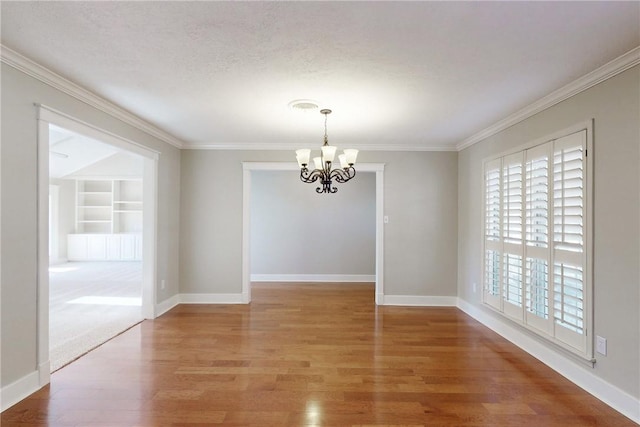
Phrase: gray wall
(19,214)
(294,230)
(420,240)
(614,104)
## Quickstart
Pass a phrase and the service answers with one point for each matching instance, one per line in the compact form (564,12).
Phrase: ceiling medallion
(303,105)
(323,171)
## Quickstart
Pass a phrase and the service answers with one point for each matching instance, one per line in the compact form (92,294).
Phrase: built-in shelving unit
(127,206)
(108,220)
(94,206)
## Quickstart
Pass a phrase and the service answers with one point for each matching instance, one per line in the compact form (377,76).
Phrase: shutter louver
(568,301)
(492,273)
(512,203)
(568,200)
(538,287)
(513,279)
(492,204)
(537,191)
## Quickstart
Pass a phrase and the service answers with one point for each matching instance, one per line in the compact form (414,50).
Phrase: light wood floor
(310,355)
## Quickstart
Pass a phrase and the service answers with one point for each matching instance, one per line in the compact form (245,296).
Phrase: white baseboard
(419,300)
(333,278)
(169,303)
(618,399)
(44,373)
(212,299)
(166,305)
(18,390)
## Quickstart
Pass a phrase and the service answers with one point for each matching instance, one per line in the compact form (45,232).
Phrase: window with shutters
(535,269)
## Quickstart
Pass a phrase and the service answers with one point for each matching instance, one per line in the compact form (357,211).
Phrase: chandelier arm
(343,175)
(310,176)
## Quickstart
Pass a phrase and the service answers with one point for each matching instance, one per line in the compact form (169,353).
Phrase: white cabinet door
(128,247)
(138,247)
(103,247)
(97,247)
(77,247)
(114,247)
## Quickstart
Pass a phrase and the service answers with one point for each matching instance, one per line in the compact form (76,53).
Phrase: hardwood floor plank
(310,355)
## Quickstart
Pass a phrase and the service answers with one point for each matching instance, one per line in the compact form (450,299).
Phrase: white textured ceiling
(396,74)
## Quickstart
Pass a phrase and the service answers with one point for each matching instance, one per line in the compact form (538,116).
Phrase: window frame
(496,302)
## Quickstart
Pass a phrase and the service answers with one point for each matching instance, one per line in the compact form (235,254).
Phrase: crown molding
(43,74)
(288,147)
(608,70)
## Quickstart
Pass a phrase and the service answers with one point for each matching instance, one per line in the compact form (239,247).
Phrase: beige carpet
(90,303)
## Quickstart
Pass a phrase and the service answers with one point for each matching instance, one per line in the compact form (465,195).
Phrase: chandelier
(323,171)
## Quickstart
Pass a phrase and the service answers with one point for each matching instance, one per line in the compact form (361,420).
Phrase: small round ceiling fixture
(304,105)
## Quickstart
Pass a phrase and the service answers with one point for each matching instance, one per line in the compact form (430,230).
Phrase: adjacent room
(320,213)
(95,243)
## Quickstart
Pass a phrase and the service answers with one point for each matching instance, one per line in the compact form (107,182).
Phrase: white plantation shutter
(512,229)
(568,239)
(493,239)
(535,254)
(537,207)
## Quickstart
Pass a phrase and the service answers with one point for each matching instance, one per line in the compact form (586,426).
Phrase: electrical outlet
(601,345)
(162,284)
(474,287)
(386,219)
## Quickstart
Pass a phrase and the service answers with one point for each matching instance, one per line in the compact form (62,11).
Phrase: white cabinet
(104,247)
(96,247)
(128,248)
(138,251)
(114,241)
(77,247)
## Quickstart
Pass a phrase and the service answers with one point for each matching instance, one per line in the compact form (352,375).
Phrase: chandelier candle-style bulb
(323,171)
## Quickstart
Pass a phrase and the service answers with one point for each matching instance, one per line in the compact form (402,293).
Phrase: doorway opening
(95,243)
(97,232)
(253,168)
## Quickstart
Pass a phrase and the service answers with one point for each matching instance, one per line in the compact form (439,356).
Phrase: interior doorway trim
(47,116)
(248,167)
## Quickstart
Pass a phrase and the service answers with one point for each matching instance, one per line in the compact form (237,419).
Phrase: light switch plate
(601,345)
